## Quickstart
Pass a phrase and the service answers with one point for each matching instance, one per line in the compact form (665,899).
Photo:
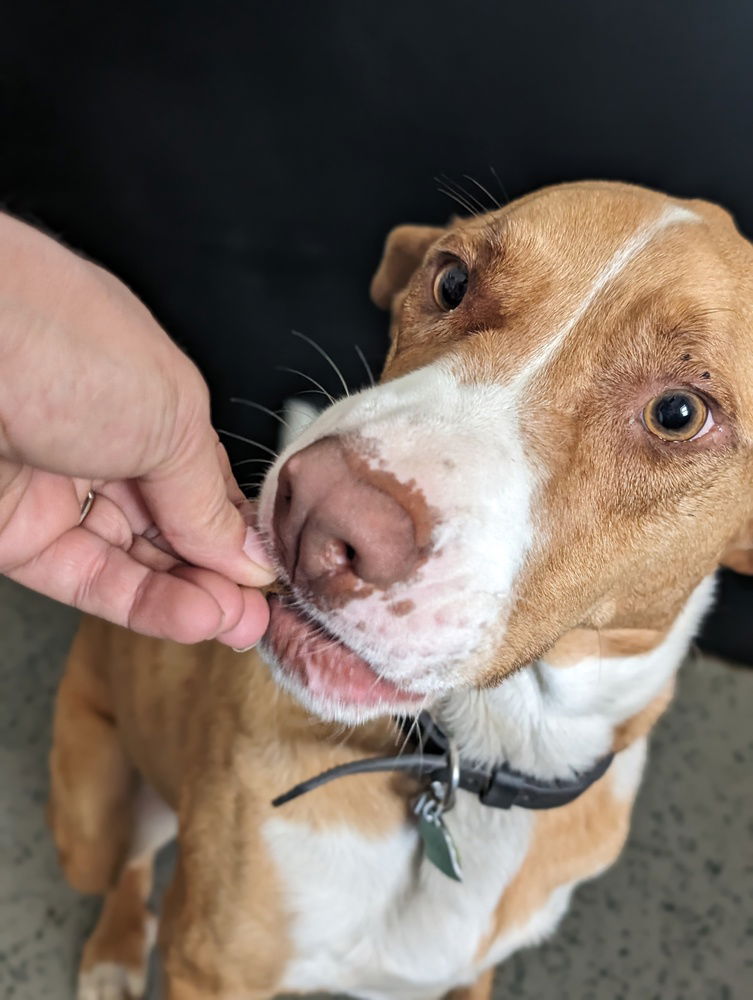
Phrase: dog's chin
(325,675)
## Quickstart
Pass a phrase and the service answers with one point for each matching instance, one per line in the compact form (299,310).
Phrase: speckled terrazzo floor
(673,920)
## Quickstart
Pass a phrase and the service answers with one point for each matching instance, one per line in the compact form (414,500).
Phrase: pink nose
(338,527)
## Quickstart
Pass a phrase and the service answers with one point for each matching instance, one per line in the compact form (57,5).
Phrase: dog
(511,541)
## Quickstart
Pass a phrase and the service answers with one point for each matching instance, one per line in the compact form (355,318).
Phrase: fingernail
(254,549)
(243,649)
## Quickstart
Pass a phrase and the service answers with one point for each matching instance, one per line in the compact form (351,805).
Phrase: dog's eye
(450,285)
(676,416)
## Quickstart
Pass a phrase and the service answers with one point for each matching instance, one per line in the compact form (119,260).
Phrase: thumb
(196,503)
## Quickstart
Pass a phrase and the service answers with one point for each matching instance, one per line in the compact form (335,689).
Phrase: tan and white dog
(518,530)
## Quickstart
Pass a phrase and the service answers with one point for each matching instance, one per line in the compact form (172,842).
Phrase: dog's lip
(323,665)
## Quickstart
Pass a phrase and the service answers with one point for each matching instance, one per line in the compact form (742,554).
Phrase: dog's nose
(337,527)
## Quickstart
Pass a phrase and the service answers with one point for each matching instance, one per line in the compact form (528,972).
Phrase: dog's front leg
(200,964)
(223,934)
(182,989)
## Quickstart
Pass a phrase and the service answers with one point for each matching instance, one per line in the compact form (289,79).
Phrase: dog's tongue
(324,665)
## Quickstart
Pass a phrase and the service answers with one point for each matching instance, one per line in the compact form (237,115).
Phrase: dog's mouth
(323,670)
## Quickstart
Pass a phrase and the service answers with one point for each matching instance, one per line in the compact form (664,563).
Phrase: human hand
(95,396)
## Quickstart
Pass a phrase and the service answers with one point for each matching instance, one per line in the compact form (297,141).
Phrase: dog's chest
(370,917)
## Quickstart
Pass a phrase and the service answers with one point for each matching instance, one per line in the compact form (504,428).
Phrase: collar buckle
(506,788)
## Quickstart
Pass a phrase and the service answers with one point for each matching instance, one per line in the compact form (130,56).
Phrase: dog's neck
(551,721)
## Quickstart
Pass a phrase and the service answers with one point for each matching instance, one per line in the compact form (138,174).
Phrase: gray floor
(673,920)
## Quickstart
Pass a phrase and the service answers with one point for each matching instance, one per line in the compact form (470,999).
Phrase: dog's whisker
(334,738)
(311,392)
(453,188)
(365,364)
(424,704)
(407,737)
(327,358)
(474,199)
(446,188)
(247,440)
(501,186)
(344,735)
(494,201)
(319,386)
(258,406)
(247,461)
(326,644)
(451,194)
(480,207)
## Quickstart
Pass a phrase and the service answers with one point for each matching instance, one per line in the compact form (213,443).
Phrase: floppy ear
(739,552)
(404,250)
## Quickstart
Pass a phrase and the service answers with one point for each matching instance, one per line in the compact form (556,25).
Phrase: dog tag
(439,847)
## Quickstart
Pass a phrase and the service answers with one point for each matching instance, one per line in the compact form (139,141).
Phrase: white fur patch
(111,981)
(369,918)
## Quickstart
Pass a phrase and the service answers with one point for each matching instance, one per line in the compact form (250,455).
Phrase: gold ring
(87,505)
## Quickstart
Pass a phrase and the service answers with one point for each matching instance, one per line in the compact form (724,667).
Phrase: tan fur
(211,732)
(739,552)
(120,936)
(580,643)
(568,845)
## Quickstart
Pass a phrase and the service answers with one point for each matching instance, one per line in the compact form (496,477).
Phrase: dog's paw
(108,981)
(107,974)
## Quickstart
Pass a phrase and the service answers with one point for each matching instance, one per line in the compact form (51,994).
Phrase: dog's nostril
(340,555)
(285,489)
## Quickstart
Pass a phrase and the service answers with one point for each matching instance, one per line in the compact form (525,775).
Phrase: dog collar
(436,763)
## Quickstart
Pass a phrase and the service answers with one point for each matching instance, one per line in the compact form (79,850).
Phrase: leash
(441,771)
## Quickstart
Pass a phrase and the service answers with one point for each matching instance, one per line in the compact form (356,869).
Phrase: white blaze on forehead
(613,267)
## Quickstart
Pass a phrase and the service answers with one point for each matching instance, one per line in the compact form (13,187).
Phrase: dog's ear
(739,552)
(404,250)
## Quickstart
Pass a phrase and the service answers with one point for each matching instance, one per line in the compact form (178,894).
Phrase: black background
(238,165)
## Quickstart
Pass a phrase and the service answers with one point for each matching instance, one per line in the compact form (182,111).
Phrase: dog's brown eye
(450,285)
(676,416)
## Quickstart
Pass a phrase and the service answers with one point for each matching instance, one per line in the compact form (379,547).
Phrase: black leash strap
(416,764)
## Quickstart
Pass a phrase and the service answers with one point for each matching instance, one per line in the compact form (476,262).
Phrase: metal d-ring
(453,768)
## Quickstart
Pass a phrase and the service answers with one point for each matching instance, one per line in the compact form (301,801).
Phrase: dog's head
(562,438)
